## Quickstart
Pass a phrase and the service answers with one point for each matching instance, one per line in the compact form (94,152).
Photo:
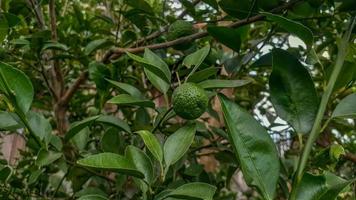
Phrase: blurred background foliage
(78,38)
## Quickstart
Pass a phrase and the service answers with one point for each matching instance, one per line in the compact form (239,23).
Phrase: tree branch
(58,83)
(117,52)
(164,29)
(71,91)
(38,13)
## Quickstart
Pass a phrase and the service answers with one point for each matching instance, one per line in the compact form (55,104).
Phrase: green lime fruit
(180,28)
(190,101)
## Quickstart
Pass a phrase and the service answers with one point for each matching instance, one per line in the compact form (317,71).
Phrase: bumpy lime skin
(180,28)
(189,101)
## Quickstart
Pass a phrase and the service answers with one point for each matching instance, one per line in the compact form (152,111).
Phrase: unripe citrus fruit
(180,28)
(189,101)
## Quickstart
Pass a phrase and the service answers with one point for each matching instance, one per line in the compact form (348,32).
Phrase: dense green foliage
(178,99)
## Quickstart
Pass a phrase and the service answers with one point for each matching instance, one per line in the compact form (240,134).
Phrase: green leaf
(19,85)
(194,191)
(5,173)
(335,185)
(264,61)
(152,144)
(311,187)
(237,8)
(127,100)
(321,187)
(12,19)
(346,107)
(7,122)
(141,161)
(336,151)
(45,157)
(152,67)
(253,147)
(111,162)
(196,59)
(141,5)
(218,83)
(92,197)
(293,27)
(40,126)
(292,91)
(95,45)
(104,119)
(111,141)
(81,139)
(202,75)
(178,144)
(4,28)
(127,88)
(78,126)
(114,121)
(98,72)
(55,45)
(212,3)
(227,36)
(158,82)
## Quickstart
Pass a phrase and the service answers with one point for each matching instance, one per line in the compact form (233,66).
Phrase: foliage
(153,100)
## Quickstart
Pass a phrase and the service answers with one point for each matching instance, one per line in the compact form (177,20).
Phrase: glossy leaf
(113,121)
(92,197)
(292,91)
(321,187)
(98,72)
(194,191)
(127,100)
(203,75)
(95,45)
(5,173)
(141,161)
(218,83)
(196,59)
(19,84)
(335,185)
(81,139)
(152,144)
(141,5)
(55,46)
(78,126)
(227,36)
(7,122)
(40,126)
(111,162)
(346,107)
(111,141)
(237,8)
(253,147)
(152,67)
(295,28)
(45,157)
(12,19)
(264,61)
(157,81)
(178,144)
(127,88)
(4,28)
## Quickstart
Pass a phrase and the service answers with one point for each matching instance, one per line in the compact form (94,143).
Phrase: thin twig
(71,91)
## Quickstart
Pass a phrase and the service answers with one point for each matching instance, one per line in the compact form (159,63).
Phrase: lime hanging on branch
(180,28)
(190,101)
